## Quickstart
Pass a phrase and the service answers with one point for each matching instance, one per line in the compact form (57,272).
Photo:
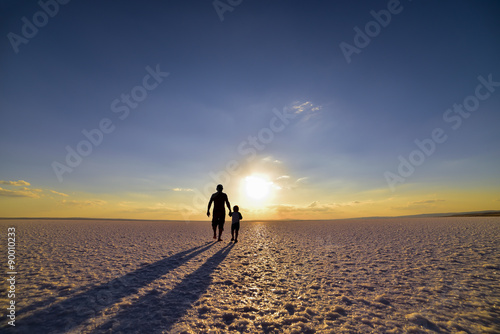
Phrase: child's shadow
(156,313)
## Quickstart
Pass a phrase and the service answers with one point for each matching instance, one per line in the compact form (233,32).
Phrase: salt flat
(398,275)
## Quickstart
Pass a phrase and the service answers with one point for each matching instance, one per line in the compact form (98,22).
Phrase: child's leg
(236,232)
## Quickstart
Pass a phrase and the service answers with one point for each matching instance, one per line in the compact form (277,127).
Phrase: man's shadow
(66,315)
(166,309)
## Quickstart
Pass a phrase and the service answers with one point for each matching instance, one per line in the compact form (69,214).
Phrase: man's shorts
(218,218)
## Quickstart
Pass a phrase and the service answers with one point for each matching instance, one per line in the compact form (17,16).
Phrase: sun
(257,187)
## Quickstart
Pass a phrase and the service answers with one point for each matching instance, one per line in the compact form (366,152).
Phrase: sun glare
(257,187)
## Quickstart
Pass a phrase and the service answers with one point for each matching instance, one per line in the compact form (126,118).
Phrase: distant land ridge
(486,213)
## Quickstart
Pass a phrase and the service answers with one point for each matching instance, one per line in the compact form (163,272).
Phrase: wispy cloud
(161,208)
(15,183)
(22,189)
(25,192)
(83,203)
(294,210)
(306,109)
(58,193)
(32,189)
(182,189)
(272,160)
(288,183)
(314,207)
(430,203)
(425,202)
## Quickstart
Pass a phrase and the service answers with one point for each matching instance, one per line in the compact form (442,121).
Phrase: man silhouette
(219,213)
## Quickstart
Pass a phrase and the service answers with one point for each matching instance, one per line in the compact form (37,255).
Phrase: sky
(301,109)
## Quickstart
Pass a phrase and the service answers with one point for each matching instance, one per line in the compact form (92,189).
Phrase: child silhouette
(235,224)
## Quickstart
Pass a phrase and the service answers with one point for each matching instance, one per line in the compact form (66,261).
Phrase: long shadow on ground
(156,313)
(69,313)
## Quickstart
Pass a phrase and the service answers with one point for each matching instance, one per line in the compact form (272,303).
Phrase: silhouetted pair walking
(219,214)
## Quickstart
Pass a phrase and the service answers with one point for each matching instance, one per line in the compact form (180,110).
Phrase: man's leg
(214,227)
(221,228)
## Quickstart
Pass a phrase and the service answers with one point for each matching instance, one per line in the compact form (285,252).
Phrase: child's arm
(241,217)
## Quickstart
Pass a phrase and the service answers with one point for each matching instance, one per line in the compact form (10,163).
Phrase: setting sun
(257,187)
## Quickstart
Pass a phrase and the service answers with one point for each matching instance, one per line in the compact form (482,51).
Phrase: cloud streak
(307,110)
(430,203)
(58,193)
(83,203)
(158,208)
(17,183)
(22,190)
(314,207)
(25,192)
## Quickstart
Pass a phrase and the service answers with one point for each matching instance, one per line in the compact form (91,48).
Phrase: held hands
(230,213)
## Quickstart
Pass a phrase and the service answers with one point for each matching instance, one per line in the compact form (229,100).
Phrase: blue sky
(225,78)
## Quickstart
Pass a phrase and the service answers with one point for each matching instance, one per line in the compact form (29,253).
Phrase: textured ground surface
(437,275)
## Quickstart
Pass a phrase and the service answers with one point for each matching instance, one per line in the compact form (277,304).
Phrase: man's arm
(228,205)
(209,205)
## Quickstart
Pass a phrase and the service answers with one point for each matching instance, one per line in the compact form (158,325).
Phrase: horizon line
(487,213)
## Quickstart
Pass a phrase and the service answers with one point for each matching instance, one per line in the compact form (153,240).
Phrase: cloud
(430,203)
(58,193)
(314,207)
(182,189)
(34,190)
(307,110)
(15,183)
(301,107)
(161,208)
(25,192)
(83,203)
(288,183)
(272,160)
(426,202)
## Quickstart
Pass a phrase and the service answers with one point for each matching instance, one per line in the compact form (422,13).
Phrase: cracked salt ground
(436,275)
